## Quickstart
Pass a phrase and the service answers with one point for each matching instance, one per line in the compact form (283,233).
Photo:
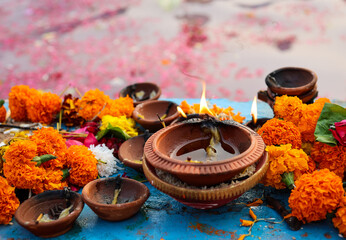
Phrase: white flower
(106,162)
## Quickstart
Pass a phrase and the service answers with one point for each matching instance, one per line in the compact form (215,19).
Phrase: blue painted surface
(163,217)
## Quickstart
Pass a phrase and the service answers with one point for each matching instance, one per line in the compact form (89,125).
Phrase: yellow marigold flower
(288,108)
(315,195)
(122,106)
(284,159)
(279,132)
(43,107)
(19,169)
(340,220)
(49,141)
(309,118)
(18,98)
(126,124)
(92,103)
(332,158)
(83,165)
(8,201)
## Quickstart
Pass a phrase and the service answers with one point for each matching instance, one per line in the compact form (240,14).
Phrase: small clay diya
(207,198)
(148,114)
(180,148)
(131,151)
(99,195)
(291,81)
(141,92)
(259,123)
(50,203)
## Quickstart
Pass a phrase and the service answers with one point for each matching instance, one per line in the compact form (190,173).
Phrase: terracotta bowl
(207,198)
(259,123)
(188,136)
(291,81)
(29,210)
(149,111)
(146,87)
(98,195)
(131,152)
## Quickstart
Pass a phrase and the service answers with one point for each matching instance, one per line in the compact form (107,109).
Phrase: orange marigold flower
(186,107)
(52,180)
(308,121)
(83,165)
(50,141)
(279,132)
(332,158)
(8,201)
(122,106)
(92,103)
(340,220)
(43,107)
(18,98)
(284,159)
(288,108)
(18,168)
(315,195)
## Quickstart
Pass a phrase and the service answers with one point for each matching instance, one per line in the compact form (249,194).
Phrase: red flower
(340,132)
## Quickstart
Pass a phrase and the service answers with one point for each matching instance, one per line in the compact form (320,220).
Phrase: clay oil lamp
(204,153)
(291,81)
(255,123)
(51,213)
(115,198)
(154,115)
(141,92)
(131,151)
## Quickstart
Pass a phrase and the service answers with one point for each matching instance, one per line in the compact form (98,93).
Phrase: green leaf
(331,113)
(114,131)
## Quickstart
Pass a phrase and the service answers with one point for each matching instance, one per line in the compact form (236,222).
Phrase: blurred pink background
(109,44)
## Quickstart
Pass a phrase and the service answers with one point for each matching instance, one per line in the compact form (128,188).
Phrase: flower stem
(44,158)
(65,174)
(288,179)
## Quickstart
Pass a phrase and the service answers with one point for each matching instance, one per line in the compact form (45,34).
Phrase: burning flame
(254,110)
(181,112)
(203,106)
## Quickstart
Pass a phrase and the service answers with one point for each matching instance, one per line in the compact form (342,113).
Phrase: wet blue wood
(163,217)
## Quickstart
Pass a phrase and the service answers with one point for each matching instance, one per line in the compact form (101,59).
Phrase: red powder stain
(305,235)
(205,228)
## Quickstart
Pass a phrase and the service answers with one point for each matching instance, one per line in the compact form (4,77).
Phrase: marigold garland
(126,124)
(284,159)
(332,158)
(92,103)
(19,169)
(122,106)
(49,141)
(315,195)
(279,132)
(8,201)
(42,107)
(18,98)
(83,165)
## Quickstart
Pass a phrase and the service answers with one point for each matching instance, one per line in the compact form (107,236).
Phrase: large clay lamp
(204,152)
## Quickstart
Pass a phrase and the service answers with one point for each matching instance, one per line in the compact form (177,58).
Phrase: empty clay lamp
(51,213)
(291,81)
(154,115)
(141,92)
(115,198)
(204,152)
